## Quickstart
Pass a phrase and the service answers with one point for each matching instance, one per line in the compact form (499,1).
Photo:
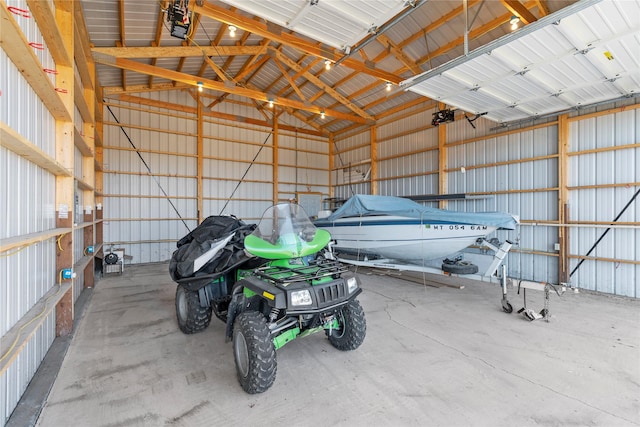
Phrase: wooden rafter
(399,54)
(519,10)
(322,85)
(138,67)
(293,84)
(543,9)
(261,29)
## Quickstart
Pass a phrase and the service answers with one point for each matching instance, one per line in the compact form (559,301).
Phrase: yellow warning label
(268,295)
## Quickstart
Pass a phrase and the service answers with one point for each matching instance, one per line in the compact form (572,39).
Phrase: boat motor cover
(210,250)
(367,205)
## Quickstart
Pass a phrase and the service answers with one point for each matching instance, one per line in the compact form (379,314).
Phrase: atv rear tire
(191,316)
(352,329)
(254,352)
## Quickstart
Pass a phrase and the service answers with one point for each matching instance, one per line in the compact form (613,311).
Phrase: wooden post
(442,161)
(65,151)
(200,158)
(374,159)
(563,197)
(275,156)
(332,163)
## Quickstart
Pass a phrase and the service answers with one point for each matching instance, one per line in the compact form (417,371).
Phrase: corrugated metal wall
(600,181)
(238,172)
(27,205)
(137,215)
(516,171)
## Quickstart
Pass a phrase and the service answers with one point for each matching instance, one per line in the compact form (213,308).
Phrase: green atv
(270,284)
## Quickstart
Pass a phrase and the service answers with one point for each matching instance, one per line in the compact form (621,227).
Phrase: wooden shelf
(82,185)
(81,143)
(21,333)
(83,225)
(21,54)
(15,142)
(27,239)
(81,103)
(82,263)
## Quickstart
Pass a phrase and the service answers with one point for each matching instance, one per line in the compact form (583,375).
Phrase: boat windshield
(281,222)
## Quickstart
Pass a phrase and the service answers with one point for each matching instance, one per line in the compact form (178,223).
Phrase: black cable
(605,232)
(245,172)
(147,166)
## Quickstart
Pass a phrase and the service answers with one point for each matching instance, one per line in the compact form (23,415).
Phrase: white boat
(400,229)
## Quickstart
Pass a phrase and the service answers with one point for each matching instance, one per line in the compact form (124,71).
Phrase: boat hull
(400,238)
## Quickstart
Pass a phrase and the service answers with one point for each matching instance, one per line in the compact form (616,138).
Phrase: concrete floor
(432,357)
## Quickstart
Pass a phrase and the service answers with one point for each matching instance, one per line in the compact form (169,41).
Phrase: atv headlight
(352,284)
(302,297)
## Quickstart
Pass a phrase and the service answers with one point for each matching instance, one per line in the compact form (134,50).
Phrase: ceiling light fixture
(200,86)
(271,103)
(322,115)
(514,22)
(232,30)
(389,86)
(327,65)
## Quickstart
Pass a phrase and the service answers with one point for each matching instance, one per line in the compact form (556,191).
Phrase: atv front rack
(305,273)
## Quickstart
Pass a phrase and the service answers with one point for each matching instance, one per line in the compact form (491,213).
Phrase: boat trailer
(489,275)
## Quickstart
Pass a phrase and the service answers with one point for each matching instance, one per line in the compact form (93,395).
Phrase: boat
(396,228)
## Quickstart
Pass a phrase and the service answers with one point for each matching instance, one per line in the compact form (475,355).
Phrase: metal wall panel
(138,217)
(20,107)
(609,173)
(17,377)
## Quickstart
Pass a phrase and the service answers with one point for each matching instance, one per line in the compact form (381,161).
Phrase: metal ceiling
(279,50)
(584,54)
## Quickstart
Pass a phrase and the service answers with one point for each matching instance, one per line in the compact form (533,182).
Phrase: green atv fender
(288,245)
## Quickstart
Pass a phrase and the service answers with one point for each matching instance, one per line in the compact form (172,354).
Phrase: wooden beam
(200,161)
(16,46)
(293,84)
(127,64)
(82,61)
(65,154)
(322,85)
(442,161)
(519,10)
(563,197)
(399,54)
(46,20)
(261,29)
(231,117)
(178,51)
(543,8)
(15,142)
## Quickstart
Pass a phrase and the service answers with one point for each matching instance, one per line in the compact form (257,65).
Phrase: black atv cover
(213,231)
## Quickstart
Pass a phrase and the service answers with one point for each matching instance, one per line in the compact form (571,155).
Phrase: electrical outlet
(89,249)
(556,246)
(67,273)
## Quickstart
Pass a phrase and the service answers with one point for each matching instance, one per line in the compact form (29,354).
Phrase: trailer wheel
(191,316)
(254,352)
(460,267)
(352,327)
(506,307)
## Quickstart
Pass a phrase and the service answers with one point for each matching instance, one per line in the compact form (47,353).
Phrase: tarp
(211,249)
(366,205)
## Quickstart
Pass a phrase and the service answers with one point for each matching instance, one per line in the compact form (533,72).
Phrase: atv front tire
(254,352)
(352,327)
(191,316)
